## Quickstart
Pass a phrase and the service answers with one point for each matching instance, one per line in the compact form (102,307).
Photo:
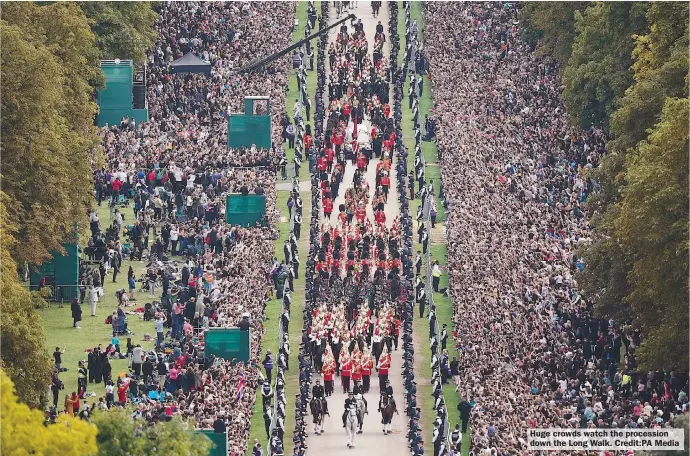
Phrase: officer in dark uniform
(388,389)
(349,402)
(317,390)
(456,439)
(266,393)
(444,336)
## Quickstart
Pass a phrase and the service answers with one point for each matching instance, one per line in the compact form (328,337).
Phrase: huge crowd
(533,353)
(174,172)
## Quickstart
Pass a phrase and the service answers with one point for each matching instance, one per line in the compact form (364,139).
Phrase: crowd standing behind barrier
(532,352)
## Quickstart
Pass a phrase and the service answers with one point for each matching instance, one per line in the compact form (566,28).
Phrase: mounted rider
(350,406)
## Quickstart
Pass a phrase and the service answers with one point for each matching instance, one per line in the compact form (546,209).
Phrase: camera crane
(266,60)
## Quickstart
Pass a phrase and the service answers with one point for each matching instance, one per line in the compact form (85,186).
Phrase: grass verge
(292,92)
(270,340)
(444,305)
(57,323)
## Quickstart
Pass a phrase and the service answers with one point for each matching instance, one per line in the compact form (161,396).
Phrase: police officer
(297,226)
(266,394)
(444,336)
(268,417)
(436,439)
(456,439)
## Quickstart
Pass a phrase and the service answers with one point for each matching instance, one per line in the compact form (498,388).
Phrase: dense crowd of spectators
(188,112)
(174,171)
(533,353)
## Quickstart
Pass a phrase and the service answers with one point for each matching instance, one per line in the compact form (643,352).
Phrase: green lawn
(444,306)
(270,341)
(292,92)
(57,323)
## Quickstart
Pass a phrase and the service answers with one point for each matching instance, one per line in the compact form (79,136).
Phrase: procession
(340,227)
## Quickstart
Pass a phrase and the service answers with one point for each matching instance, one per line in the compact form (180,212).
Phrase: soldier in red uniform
(380,218)
(383,366)
(322,163)
(327,207)
(328,370)
(367,366)
(361,213)
(385,183)
(356,366)
(345,370)
(396,331)
(362,162)
(330,155)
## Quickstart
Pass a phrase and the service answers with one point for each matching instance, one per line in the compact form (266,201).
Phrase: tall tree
(598,71)
(660,71)
(653,226)
(23,432)
(120,435)
(124,30)
(550,26)
(49,69)
(24,354)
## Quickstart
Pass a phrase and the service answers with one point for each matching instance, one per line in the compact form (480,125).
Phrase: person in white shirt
(174,236)
(118,219)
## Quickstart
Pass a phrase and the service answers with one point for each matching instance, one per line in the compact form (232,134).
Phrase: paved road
(333,442)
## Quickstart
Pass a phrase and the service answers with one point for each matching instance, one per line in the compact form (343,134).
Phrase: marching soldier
(328,370)
(367,366)
(345,370)
(383,366)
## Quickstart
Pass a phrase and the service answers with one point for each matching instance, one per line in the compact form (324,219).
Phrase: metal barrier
(293,214)
(426,217)
(281,332)
(56,293)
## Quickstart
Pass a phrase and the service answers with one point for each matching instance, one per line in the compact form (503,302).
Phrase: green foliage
(23,432)
(120,435)
(629,71)
(598,71)
(49,69)
(123,30)
(653,226)
(23,352)
(661,69)
(667,32)
(551,27)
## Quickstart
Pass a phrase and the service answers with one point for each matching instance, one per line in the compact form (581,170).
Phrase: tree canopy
(123,30)
(628,72)
(120,435)
(652,225)
(49,70)
(551,27)
(598,70)
(23,432)
(22,339)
